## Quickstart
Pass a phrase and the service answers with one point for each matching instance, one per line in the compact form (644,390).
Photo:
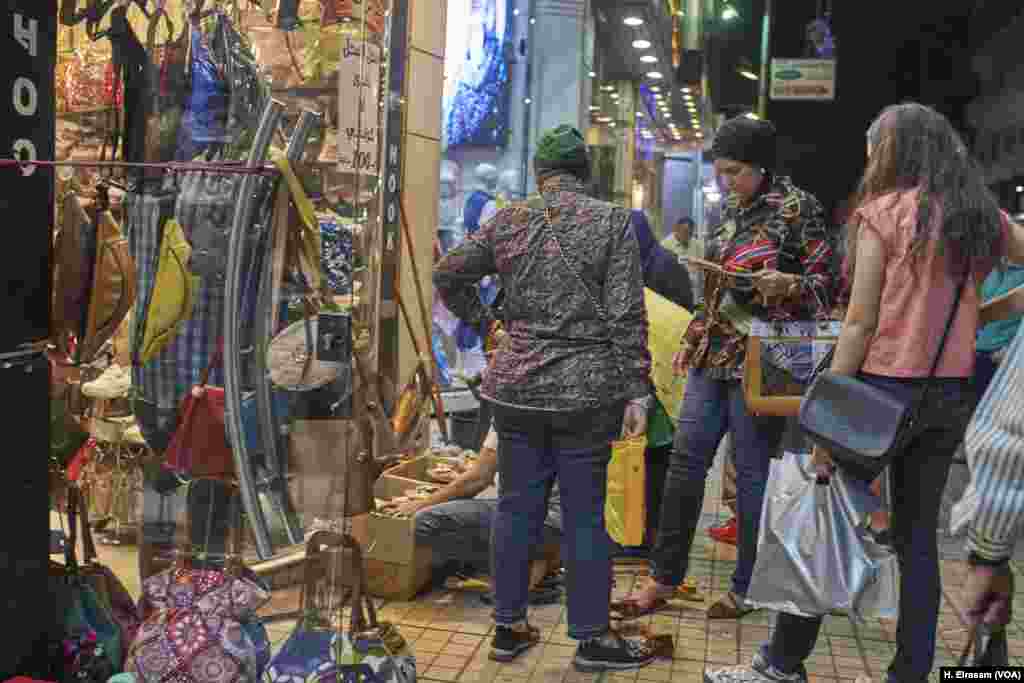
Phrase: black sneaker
(611,652)
(508,643)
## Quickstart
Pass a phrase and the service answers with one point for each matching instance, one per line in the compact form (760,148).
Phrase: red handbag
(200,445)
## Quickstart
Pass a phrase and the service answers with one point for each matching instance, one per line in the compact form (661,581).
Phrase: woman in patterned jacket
(570,376)
(775,250)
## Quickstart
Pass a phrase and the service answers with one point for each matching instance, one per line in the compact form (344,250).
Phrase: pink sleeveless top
(917,297)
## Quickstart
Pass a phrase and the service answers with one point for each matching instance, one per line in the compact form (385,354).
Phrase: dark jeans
(534,447)
(710,409)
(918,477)
(459,531)
(984,370)
(655,472)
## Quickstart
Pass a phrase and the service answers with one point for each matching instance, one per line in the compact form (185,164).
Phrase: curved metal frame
(265,326)
(245,207)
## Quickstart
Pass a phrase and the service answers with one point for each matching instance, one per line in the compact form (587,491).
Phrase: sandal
(730,606)
(629,609)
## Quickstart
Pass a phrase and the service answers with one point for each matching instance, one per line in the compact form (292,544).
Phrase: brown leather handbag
(72,254)
(112,293)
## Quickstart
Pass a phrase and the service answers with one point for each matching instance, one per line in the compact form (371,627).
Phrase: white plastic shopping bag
(813,555)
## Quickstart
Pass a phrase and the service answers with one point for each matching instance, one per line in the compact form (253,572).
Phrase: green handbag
(660,430)
(81,612)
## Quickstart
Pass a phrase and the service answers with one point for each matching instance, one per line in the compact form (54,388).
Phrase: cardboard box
(395,567)
(411,474)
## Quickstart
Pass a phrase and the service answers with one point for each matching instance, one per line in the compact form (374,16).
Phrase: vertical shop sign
(393,146)
(26,194)
(358,115)
(27,109)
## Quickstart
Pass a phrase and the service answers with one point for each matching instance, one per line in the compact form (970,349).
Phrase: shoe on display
(612,652)
(726,533)
(758,671)
(508,642)
(115,382)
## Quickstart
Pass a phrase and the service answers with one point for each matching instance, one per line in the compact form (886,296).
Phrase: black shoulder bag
(861,426)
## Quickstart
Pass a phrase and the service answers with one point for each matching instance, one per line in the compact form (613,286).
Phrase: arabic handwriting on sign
(351,50)
(360,161)
(366,135)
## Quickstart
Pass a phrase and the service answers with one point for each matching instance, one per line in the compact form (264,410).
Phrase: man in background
(683,245)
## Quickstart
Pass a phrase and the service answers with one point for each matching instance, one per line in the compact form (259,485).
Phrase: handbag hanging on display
(861,426)
(320,648)
(200,447)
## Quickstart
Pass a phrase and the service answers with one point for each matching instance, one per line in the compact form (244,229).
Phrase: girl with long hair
(924,222)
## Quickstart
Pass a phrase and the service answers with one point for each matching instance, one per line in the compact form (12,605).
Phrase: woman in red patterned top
(775,249)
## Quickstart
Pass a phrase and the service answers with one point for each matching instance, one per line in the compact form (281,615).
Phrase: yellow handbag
(173,293)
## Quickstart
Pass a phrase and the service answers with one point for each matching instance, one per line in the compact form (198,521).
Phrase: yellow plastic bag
(625,508)
(667,323)
(173,293)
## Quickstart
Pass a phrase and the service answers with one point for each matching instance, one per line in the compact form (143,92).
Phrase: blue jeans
(710,409)
(918,477)
(460,531)
(534,447)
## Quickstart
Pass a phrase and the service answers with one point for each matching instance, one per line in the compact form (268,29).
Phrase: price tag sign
(358,94)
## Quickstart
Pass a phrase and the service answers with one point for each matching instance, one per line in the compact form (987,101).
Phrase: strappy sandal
(729,607)
(630,609)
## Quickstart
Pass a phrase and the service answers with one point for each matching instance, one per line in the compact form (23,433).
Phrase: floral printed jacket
(576,320)
(783,229)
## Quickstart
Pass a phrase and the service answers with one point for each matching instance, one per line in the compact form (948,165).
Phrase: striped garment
(995,453)
(783,229)
(160,384)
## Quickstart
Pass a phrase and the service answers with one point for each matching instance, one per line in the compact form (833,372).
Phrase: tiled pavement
(449,632)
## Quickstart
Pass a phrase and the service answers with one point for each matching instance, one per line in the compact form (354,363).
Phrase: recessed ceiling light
(614,95)
(654,75)
(528,101)
(648,59)
(593,74)
(655,88)
(686,90)
(641,44)
(612,124)
(608,88)
(633,21)
(640,114)
(594,107)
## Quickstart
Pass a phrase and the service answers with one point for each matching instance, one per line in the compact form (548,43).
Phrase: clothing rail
(170,166)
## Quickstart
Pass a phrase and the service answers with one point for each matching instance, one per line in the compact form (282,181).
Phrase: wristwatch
(976,560)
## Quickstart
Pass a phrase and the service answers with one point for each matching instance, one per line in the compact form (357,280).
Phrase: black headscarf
(751,141)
